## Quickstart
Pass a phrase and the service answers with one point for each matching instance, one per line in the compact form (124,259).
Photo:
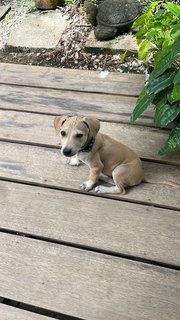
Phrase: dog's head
(75,132)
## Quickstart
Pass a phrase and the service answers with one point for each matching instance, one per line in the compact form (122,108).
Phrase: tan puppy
(82,141)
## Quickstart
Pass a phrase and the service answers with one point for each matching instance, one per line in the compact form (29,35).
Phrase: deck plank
(105,224)
(70,79)
(4,10)
(77,266)
(46,166)
(39,129)
(11,313)
(86,284)
(40,100)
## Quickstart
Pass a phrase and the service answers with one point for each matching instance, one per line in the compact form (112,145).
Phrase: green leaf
(141,34)
(161,98)
(172,143)
(165,114)
(175,32)
(168,19)
(161,83)
(123,55)
(177,77)
(173,8)
(169,96)
(158,15)
(144,49)
(142,104)
(165,58)
(167,41)
(154,5)
(175,28)
(176,93)
(142,19)
(169,53)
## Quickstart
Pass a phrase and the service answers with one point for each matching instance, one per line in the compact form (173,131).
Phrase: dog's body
(82,141)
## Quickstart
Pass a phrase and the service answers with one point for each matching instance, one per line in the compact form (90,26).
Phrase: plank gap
(54,114)
(37,310)
(56,147)
(53,187)
(92,249)
(72,90)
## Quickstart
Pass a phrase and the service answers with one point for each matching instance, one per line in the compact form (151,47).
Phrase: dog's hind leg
(104,189)
(127,174)
(106,179)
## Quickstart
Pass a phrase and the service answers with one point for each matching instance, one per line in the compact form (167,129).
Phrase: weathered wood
(35,128)
(46,165)
(11,313)
(3,11)
(105,107)
(124,228)
(70,79)
(86,284)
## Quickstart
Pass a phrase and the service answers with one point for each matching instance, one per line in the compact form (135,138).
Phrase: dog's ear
(93,125)
(58,122)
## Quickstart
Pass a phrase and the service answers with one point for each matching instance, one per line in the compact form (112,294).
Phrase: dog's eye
(79,135)
(63,133)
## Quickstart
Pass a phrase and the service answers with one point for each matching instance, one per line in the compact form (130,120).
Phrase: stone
(3,11)
(38,31)
(117,45)
(112,17)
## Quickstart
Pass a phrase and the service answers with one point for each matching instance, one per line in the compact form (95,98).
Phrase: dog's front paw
(73,161)
(87,185)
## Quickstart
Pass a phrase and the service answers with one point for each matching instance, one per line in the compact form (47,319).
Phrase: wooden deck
(65,253)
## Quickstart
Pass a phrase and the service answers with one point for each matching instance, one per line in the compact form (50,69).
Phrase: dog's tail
(168,183)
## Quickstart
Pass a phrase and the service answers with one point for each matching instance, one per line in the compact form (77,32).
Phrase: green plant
(157,28)
(163,86)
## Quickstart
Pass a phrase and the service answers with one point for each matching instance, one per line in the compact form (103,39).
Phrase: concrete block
(119,44)
(38,31)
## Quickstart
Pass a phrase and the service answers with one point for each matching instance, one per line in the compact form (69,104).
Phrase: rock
(112,17)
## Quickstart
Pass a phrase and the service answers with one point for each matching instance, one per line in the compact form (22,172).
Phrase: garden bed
(71,52)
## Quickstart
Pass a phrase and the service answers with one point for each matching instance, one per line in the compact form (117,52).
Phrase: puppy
(105,157)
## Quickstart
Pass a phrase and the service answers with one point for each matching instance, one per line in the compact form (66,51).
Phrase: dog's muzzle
(67,152)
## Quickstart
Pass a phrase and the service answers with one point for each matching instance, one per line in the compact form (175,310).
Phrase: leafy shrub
(158,37)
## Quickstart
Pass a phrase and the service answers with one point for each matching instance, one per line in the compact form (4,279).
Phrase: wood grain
(124,228)
(70,79)
(11,313)
(3,11)
(39,129)
(105,107)
(85,284)
(47,166)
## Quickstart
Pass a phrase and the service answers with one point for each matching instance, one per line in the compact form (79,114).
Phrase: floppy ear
(93,124)
(58,122)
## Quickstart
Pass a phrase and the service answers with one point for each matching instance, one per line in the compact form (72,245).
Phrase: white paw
(73,161)
(87,185)
(113,189)
(100,189)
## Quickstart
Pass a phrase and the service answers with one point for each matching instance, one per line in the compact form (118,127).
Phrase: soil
(70,52)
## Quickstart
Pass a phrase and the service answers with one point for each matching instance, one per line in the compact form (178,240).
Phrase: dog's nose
(67,152)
